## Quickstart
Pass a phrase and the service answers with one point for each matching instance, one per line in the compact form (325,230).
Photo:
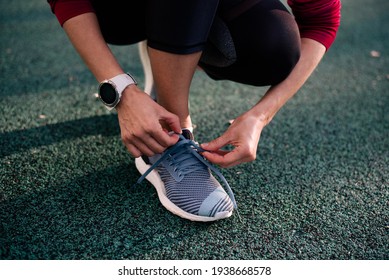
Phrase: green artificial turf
(318,189)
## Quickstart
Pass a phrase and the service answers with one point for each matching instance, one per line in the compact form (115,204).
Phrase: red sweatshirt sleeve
(317,19)
(66,9)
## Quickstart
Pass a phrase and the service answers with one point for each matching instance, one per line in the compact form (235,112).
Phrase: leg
(173,74)
(267,50)
(177,32)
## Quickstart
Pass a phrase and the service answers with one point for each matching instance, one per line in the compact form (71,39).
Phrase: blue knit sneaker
(184,183)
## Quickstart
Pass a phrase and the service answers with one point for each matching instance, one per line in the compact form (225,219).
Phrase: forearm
(140,118)
(276,97)
(85,35)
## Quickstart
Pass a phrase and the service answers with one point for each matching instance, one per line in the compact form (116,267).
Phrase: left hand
(243,135)
(245,131)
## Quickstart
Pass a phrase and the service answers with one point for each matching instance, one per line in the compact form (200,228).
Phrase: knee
(273,65)
(272,55)
(282,61)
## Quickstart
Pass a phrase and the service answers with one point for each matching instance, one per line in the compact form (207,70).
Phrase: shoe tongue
(187,134)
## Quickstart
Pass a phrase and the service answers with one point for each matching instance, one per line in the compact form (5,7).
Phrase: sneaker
(184,183)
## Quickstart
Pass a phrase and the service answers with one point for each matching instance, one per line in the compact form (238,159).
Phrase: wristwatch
(110,91)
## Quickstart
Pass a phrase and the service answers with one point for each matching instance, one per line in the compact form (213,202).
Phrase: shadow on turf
(19,140)
(96,216)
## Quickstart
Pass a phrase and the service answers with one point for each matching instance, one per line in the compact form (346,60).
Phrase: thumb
(172,120)
(216,144)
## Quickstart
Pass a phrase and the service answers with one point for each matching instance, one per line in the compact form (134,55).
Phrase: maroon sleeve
(66,9)
(317,19)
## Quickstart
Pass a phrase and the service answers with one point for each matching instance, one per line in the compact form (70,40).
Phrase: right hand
(144,124)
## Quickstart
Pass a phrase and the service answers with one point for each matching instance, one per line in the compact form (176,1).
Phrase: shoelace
(181,155)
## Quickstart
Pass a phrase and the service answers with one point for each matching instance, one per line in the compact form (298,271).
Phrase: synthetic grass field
(318,189)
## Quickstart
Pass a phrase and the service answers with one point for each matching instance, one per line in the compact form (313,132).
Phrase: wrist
(262,114)
(128,95)
(274,99)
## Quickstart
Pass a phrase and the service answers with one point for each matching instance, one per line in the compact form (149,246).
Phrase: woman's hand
(144,124)
(243,135)
(245,131)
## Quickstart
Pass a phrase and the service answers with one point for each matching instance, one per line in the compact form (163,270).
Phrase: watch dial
(108,93)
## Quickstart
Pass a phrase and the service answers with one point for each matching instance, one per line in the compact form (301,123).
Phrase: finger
(228,159)
(172,121)
(219,152)
(142,147)
(216,144)
(164,139)
(156,145)
(133,150)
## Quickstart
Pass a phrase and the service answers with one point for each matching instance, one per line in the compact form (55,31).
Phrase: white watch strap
(122,81)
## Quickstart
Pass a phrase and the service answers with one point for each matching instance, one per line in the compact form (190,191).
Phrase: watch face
(108,94)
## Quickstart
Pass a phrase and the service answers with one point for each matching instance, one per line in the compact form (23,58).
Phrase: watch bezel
(117,97)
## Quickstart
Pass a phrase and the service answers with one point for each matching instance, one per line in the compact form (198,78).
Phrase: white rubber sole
(156,181)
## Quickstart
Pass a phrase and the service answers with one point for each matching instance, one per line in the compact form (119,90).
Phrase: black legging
(259,45)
